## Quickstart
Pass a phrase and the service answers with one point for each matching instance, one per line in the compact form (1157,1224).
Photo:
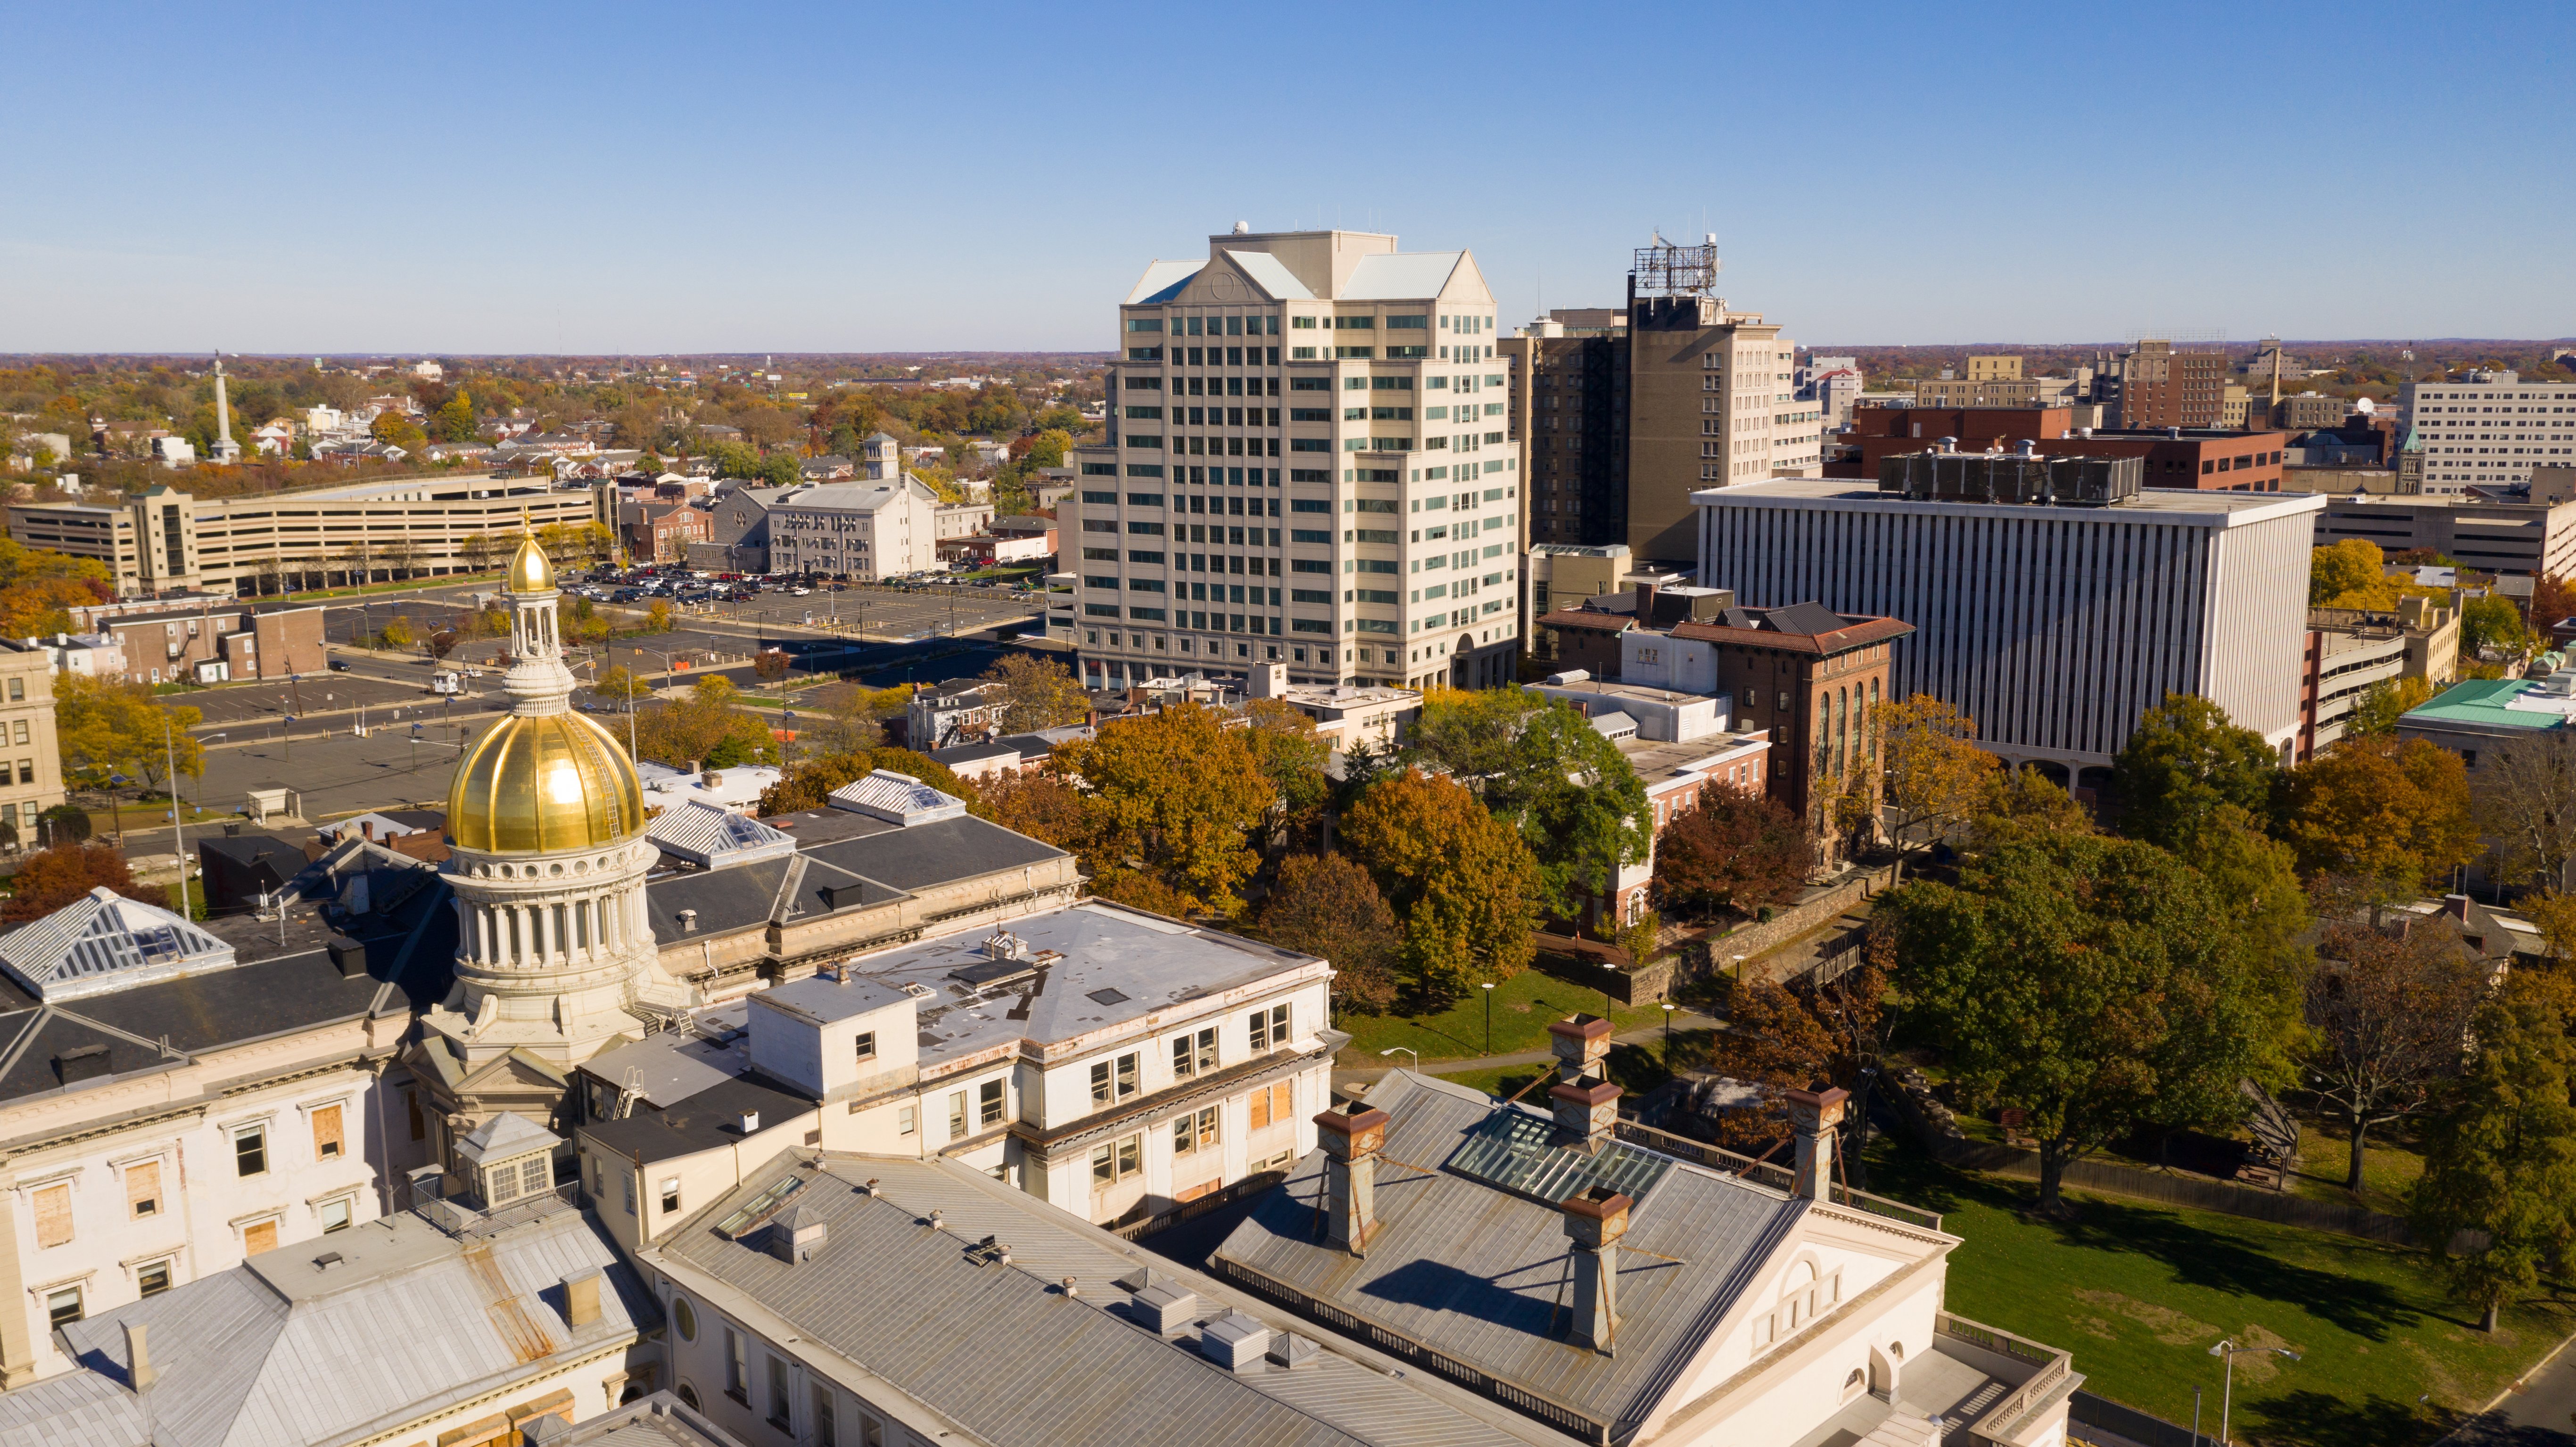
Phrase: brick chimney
(1351,1140)
(1586,1104)
(1580,1043)
(1813,1114)
(1594,1221)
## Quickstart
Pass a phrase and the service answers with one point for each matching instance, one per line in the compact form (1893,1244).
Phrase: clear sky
(850,178)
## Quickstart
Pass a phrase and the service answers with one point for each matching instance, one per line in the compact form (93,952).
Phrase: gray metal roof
(714,837)
(504,1136)
(1271,275)
(1401,276)
(1162,281)
(104,942)
(897,799)
(403,1325)
(1018,1364)
(78,1409)
(660,1420)
(1477,1273)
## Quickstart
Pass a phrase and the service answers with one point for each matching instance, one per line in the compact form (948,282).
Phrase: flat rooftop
(1638,692)
(2163,504)
(1655,761)
(2494,703)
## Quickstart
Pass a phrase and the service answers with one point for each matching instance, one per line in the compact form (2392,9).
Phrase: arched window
(1853,1383)
(689,1396)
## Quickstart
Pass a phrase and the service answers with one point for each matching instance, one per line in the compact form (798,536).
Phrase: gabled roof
(1162,281)
(714,837)
(504,1136)
(107,942)
(1404,276)
(1271,275)
(897,799)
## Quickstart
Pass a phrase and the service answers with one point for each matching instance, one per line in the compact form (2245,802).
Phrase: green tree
(454,422)
(1293,758)
(1542,767)
(106,727)
(1326,906)
(703,727)
(2184,760)
(1175,795)
(2091,983)
(2022,803)
(2501,1158)
(2492,622)
(1462,881)
(1049,448)
(809,784)
(2387,701)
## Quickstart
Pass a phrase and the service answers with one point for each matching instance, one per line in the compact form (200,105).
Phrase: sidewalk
(1363,1075)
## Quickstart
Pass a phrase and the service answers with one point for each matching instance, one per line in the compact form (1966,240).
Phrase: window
(988,1104)
(334,1215)
(1117,1160)
(1269,1028)
(1113,1081)
(250,1151)
(327,1141)
(957,1115)
(671,1196)
(685,1317)
(154,1279)
(737,1368)
(143,1190)
(781,1408)
(907,1119)
(826,1433)
(867,1045)
(1192,1131)
(1276,1104)
(54,1215)
(63,1307)
(258,1237)
(1193,1055)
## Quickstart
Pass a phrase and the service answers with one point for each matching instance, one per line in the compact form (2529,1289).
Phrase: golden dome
(549,782)
(529,570)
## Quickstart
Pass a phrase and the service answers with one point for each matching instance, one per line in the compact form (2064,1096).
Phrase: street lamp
(2229,1351)
(1409,1050)
(1489,1017)
(201,769)
(1668,1034)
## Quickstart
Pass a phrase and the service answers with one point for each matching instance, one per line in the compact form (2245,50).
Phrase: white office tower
(1307,464)
(2490,428)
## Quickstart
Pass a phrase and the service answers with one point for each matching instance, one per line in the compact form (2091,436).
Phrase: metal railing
(1767,1173)
(1251,1185)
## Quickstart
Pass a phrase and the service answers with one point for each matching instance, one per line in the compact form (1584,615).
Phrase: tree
(1462,881)
(2021,803)
(1935,776)
(769,665)
(2349,574)
(1783,1039)
(454,422)
(39,587)
(2387,701)
(1326,906)
(52,878)
(1049,448)
(2091,983)
(1542,767)
(1036,693)
(2492,622)
(2524,800)
(2501,1157)
(396,632)
(2184,760)
(2396,812)
(657,616)
(103,726)
(1175,795)
(704,728)
(2387,1010)
(394,429)
(62,824)
(2553,600)
(1038,802)
(479,550)
(621,685)
(1292,757)
(1730,851)
(810,783)
(2554,915)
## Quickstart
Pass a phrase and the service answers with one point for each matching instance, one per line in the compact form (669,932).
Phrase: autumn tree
(1035,693)
(454,421)
(1730,851)
(1325,905)
(2184,760)
(2383,703)
(1462,880)
(2500,1158)
(2090,983)
(1038,802)
(1540,766)
(1935,775)
(103,726)
(1175,794)
(810,782)
(2387,1007)
(704,727)
(2020,803)
(769,665)
(2390,810)
(51,878)
(39,588)
(2553,600)
(394,429)
(2524,801)
(2349,574)
(1805,1037)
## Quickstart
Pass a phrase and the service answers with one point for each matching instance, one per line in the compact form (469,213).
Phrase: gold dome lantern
(529,570)
(543,782)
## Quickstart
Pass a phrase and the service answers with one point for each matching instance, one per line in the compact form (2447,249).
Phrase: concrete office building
(2491,428)
(2495,537)
(860,530)
(166,541)
(2053,625)
(1996,392)
(1376,460)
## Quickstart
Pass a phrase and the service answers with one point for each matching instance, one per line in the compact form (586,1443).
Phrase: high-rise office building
(2488,427)
(1347,504)
(2161,385)
(1621,427)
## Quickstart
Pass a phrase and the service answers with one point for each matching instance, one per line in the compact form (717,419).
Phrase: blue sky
(646,178)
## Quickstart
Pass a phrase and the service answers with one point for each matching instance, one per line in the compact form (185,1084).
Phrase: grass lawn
(1523,1005)
(2139,1292)
(1637,1068)
(2390,1164)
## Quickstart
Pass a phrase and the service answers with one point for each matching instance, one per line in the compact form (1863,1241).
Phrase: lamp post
(2229,1351)
(1489,1017)
(1668,1034)
(1409,1050)
(201,770)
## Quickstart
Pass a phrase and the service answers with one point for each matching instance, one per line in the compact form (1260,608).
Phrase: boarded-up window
(143,1189)
(1274,1103)
(327,1143)
(259,1238)
(54,1216)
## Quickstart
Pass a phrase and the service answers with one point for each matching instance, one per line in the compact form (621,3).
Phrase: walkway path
(1361,1076)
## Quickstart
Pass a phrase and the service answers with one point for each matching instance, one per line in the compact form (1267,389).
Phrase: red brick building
(2175,457)
(210,644)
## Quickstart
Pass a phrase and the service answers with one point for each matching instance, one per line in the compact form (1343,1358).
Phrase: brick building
(2175,457)
(2162,387)
(211,643)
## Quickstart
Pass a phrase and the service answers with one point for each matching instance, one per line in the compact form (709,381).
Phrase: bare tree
(2389,1005)
(353,562)
(2524,798)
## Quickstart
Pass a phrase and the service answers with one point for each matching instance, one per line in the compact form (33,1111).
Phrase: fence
(1777,1177)
(2125,1423)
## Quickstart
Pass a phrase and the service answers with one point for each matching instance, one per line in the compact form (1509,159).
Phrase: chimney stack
(1813,1114)
(1585,1102)
(1594,1222)
(1351,1139)
(138,1358)
(581,1299)
(1580,1043)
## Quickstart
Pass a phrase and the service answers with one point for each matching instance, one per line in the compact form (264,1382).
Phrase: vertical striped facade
(2052,627)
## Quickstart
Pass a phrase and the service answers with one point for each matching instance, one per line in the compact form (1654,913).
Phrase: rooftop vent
(796,1234)
(1166,1306)
(750,1122)
(1234,1341)
(81,1062)
(1287,1349)
(688,920)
